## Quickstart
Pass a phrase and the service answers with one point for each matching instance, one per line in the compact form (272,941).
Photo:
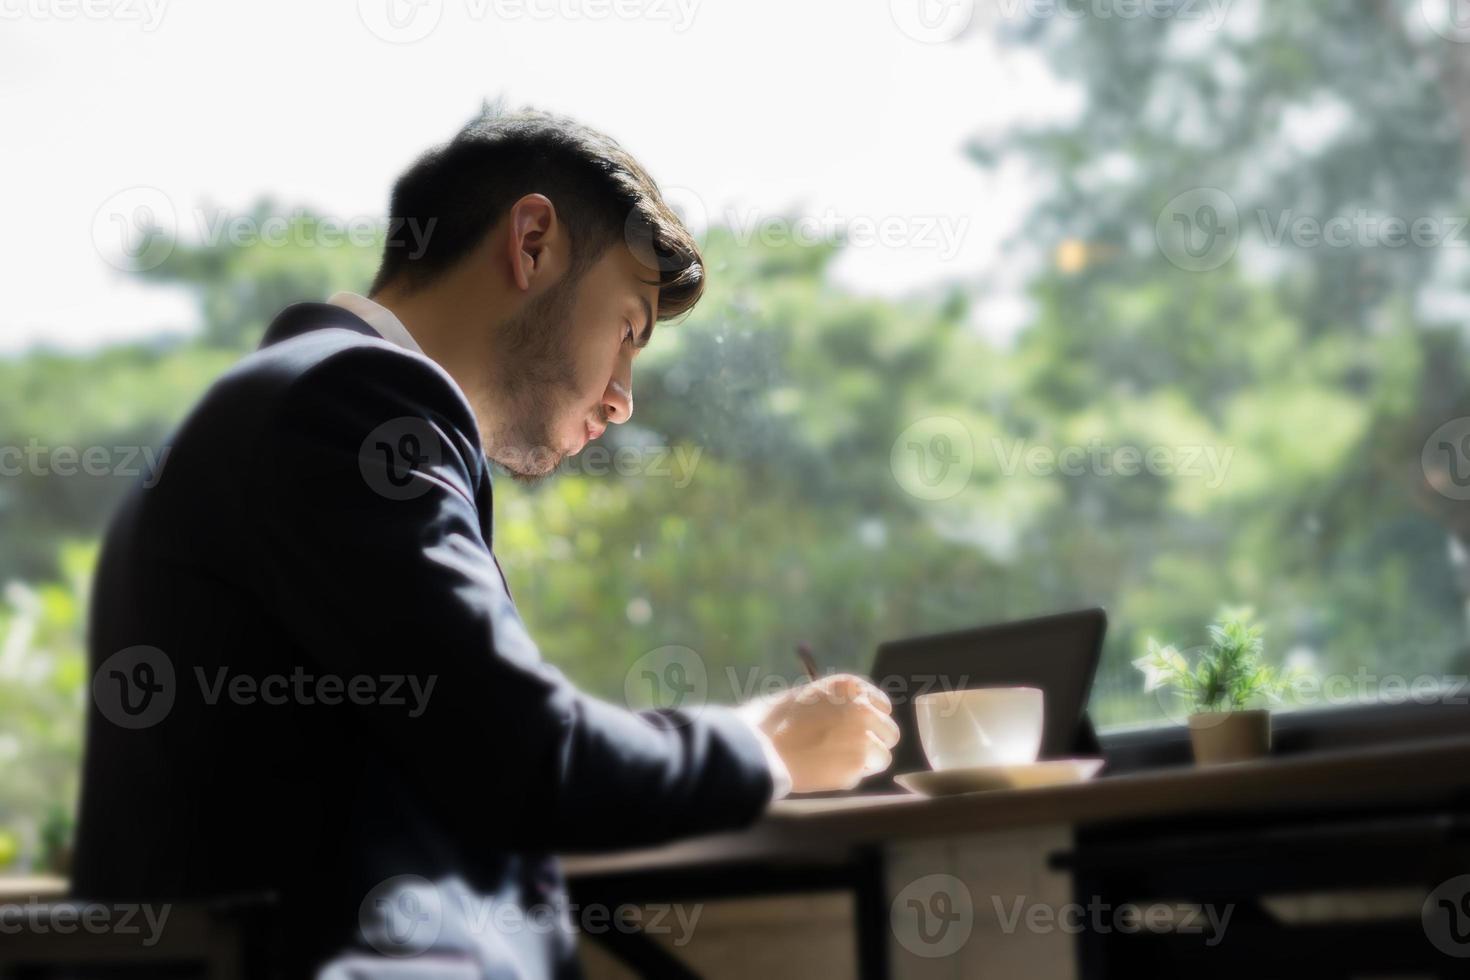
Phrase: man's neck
(454,341)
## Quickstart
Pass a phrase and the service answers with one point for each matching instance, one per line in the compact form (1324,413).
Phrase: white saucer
(979,779)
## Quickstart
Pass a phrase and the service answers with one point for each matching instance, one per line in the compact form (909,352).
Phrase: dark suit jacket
(325,512)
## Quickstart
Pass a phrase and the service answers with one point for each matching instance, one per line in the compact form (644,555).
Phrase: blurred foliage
(43,686)
(1314,375)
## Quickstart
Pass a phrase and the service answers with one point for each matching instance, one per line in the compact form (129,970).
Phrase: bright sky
(742,109)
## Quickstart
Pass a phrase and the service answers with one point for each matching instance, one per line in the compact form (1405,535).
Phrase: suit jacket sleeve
(376,578)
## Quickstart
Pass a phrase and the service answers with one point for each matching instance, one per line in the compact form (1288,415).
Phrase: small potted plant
(1226,678)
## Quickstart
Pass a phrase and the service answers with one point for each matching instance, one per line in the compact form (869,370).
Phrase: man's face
(566,368)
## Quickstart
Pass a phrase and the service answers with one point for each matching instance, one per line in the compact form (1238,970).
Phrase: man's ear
(533,229)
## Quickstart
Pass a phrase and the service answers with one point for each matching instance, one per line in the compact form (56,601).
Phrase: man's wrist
(753,713)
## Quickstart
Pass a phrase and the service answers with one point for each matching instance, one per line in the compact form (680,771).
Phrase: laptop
(1057,653)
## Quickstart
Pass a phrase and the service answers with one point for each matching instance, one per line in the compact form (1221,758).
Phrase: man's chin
(529,479)
(528,467)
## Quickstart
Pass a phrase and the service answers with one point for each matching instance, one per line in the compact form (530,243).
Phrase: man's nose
(617,400)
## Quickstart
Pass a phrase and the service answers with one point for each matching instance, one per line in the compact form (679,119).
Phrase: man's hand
(830,733)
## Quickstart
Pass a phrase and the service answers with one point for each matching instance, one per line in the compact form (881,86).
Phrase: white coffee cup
(983,726)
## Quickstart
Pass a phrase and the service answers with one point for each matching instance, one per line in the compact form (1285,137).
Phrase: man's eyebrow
(646,334)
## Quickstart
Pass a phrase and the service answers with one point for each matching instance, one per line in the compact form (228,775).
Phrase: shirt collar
(388,326)
(377,316)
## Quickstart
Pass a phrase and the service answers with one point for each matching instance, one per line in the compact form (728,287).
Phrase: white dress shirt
(379,317)
(391,329)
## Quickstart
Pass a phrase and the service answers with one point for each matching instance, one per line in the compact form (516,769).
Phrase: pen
(804,654)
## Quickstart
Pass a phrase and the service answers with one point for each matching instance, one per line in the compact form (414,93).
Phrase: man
(310,680)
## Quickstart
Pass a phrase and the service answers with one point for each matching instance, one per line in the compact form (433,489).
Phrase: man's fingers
(881,725)
(879,758)
(854,688)
(878,698)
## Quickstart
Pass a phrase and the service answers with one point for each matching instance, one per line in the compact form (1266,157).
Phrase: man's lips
(591,431)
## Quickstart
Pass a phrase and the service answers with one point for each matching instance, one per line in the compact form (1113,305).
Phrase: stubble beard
(534,369)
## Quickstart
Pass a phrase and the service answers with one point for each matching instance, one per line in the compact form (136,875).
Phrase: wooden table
(1007,845)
